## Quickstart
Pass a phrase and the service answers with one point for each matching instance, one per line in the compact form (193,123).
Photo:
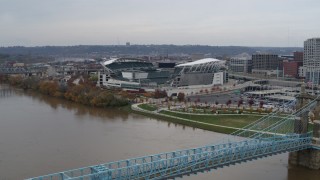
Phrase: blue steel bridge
(270,135)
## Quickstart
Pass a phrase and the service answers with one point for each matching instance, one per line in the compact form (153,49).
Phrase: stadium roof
(109,61)
(122,60)
(198,62)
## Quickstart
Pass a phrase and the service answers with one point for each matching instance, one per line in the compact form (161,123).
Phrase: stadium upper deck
(120,64)
(206,65)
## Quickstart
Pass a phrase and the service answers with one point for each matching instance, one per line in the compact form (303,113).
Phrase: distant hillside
(25,58)
(112,50)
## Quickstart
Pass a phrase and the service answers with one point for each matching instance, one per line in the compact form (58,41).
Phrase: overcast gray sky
(205,22)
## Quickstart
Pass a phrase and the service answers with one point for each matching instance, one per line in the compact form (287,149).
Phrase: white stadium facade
(208,71)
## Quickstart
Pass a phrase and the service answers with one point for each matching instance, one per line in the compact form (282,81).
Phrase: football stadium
(208,71)
(131,73)
(135,73)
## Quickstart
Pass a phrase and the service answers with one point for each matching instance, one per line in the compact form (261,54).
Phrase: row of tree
(85,92)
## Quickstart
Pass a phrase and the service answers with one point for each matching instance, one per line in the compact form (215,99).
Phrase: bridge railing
(245,150)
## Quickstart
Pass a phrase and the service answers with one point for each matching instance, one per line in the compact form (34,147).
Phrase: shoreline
(191,123)
(133,108)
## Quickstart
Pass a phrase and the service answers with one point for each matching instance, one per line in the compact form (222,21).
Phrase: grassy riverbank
(229,123)
(147,107)
(237,121)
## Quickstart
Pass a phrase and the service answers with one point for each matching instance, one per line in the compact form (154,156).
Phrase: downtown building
(241,63)
(311,61)
(266,64)
(291,68)
(292,65)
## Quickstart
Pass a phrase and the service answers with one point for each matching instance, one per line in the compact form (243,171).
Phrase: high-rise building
(266,64)
(311,60)
(265,61)
(311,56)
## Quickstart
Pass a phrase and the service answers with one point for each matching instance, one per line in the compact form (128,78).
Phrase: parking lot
(220,98)
(224,98)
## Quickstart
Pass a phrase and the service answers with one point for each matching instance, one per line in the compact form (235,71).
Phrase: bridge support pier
(309,158)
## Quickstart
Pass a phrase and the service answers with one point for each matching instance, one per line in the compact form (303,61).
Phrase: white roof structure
(109,61)
(122,60)
(201,61)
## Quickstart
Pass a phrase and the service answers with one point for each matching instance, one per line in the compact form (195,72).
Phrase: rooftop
(201,61)
(108,62)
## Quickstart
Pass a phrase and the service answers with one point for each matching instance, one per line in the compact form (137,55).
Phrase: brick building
(291,68)
(298,56)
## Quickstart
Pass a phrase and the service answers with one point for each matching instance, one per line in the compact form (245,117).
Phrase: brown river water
(41,135)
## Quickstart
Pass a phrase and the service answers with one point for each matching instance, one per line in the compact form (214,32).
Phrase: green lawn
(230,121)
(147,107)
(188,123)
(237,121)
